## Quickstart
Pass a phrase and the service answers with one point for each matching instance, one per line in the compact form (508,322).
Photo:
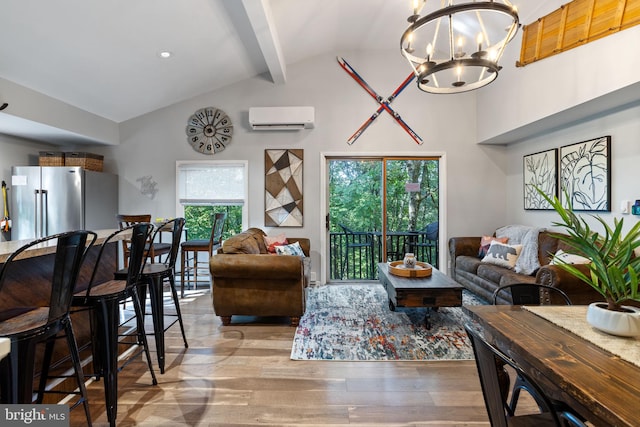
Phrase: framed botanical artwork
(540,171)
(283,188)
(585,175)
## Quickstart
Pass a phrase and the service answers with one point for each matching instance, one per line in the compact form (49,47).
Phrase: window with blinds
(209,187)
(212,183)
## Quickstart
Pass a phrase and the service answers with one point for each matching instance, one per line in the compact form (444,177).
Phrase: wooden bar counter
(24,285)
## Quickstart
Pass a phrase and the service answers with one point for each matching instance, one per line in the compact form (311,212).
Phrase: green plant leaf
(614,266)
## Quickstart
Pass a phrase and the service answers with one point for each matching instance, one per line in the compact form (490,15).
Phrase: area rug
(353,322)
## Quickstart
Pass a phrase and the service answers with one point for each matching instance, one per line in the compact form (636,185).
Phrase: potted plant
(613,270)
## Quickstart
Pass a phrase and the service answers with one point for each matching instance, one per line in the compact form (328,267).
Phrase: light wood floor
(241,375)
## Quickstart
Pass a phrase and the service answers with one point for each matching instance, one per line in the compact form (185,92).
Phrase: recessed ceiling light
(164,54)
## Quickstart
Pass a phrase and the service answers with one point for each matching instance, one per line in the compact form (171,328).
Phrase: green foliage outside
(199,220)
(355,192)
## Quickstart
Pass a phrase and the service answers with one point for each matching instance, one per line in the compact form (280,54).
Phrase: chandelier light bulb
(460,53)
(459,82)
(479,40)
(409,48)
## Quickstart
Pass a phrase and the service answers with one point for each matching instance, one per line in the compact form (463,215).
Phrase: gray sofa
(482,278)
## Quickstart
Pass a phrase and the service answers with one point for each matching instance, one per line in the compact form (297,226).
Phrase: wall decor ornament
(585,174)
(283,205)
(148,187)
(540,171)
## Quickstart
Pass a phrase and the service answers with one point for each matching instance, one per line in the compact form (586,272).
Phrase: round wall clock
(209,130)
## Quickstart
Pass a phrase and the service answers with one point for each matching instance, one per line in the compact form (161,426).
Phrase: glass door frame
(382,156)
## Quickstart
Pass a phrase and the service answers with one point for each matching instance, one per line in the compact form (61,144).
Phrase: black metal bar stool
(104,299)
(154,276)
(28,326)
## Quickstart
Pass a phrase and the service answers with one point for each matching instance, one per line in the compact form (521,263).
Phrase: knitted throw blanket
(528,262)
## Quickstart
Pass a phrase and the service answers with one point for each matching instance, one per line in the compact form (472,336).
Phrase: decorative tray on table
(422,269)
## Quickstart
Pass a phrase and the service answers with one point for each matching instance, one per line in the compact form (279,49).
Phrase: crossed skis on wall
(384,103)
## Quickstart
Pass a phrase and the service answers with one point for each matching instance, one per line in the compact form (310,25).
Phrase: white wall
(560,89)
(52,116)
(151,144)
(623,126)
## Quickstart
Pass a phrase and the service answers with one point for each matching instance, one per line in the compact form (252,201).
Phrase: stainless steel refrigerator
(47,200)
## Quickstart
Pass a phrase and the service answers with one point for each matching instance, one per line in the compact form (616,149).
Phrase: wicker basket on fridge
(88,161)
(51,158)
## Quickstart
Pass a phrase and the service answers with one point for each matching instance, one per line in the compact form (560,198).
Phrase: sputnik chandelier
(456,48)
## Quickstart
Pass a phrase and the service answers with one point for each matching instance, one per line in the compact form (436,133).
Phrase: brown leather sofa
(483,278)
(247,280)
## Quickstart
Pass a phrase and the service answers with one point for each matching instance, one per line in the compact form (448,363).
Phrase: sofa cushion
(467,263)
(511,277)
(492,273)
(568,258)
(292,249)
(485,242)
(272,241)
(502,254)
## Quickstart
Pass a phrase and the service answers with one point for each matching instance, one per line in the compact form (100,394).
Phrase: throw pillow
(502,254)
(271,242)
(485,241)
(567,258)
(292,249)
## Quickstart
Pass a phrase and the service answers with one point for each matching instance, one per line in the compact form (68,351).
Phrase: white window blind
(211,184)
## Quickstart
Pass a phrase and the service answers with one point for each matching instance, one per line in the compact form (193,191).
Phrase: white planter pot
(624,324)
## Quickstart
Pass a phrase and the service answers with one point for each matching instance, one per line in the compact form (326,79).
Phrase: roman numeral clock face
(209,130)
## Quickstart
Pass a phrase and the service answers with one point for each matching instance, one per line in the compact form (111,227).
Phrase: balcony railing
(354,255)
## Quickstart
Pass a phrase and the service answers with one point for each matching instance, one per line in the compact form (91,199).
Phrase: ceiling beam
(261,21)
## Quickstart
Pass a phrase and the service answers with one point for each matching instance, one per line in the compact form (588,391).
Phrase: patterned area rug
(353,322)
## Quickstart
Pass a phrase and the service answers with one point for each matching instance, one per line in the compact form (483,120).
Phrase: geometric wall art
(585,174)
(283,188)
(540,172)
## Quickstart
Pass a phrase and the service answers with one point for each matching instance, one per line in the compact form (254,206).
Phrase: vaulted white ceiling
(103,57)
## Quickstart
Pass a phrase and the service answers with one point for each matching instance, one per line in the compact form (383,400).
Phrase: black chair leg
(24,363)
(157,312)
(143,336)
(108,328)
(44,374)
(174,293)
(8,386)
(77,367)
(183,264)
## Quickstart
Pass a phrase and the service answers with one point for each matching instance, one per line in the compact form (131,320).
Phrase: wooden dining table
(600,386)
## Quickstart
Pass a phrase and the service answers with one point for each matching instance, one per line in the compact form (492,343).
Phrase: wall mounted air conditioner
(281,118)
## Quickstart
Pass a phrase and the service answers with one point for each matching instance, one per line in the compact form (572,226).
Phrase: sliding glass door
(379,209)
(411,209)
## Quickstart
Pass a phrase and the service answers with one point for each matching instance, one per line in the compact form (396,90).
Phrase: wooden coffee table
(432,292)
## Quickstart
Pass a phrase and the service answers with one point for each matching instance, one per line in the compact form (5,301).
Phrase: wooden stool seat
(196,245)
